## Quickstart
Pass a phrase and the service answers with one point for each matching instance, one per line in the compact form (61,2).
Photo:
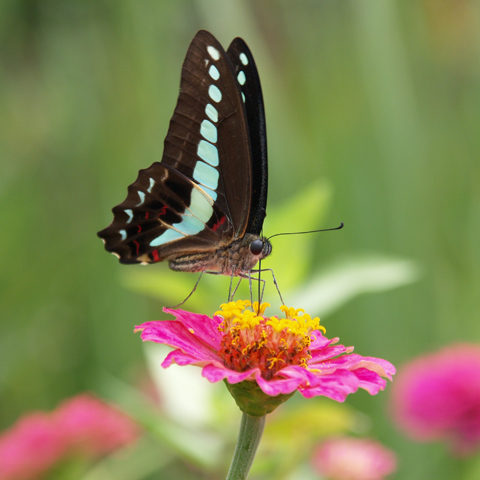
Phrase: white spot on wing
(208,131)
(241,78)
(212,112)
(208,152)
(166,237)
(210,195)
(213,72)
(152,183)
(141,196)
(206,175)
(213,52)
(130,215)
(214,93)
(243,58)
(200,206)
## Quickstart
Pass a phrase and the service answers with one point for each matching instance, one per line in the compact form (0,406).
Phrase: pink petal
(279,385)
(319,341)
(182,359)
(175,334)
(370,381)
(218,372)
(201,326)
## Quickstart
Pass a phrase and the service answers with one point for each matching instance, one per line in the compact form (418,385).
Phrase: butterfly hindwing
(210,188)
(249,81)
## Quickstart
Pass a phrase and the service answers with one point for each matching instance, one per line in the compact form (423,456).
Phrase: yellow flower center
(270,343)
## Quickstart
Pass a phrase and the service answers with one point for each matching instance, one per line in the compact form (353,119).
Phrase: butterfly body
(233,259)
(202,207)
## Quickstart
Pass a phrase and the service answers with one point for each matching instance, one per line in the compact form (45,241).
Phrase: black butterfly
(202,207)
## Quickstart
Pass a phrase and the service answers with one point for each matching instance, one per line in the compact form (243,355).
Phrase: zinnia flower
(93,428)
(81,426)
(353,459)
(30,448)
(278,355)
(437,397)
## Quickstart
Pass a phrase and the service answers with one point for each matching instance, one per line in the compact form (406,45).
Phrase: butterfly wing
(199,197)
(249,81)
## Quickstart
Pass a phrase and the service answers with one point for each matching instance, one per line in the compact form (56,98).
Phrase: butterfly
(203,205)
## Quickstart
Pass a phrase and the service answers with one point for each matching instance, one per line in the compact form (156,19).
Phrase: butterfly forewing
(211,108)
(198,197)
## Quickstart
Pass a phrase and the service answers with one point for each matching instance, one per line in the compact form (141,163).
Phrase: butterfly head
(260,247)
(246,252)
(254,248)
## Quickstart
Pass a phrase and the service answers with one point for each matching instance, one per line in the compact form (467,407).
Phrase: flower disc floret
(251,340)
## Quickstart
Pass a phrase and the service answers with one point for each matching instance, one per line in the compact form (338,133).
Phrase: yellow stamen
(270,343)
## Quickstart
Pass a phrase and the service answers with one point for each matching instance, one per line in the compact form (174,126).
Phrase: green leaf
(352,276)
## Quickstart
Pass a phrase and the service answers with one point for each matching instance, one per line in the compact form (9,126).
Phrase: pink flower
(437,396)
(281,355)
(93,428)
(353,459)
(82,426)
(30,448)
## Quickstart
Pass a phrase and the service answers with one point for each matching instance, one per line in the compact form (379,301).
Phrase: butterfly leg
(260,290)
(234,290)
(190,294)
(250,278)
(231,291)
(250,287)
(274,281)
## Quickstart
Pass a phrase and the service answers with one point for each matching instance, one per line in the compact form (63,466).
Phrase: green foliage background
(378,100)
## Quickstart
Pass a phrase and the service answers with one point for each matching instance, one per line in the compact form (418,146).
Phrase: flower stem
(251,429)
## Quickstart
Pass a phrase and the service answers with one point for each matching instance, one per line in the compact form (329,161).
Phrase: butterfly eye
(256,246)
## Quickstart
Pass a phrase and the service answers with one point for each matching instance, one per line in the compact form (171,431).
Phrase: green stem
(251,429)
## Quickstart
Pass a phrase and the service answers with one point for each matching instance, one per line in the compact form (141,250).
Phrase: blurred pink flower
(82,426)
(437,397)
(93,428)
(281,355)
(30,448)
(353,459)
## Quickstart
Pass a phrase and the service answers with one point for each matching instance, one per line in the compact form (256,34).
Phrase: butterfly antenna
(310,231)
(190,294)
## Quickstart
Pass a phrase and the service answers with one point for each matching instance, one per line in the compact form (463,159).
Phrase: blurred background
(373,113)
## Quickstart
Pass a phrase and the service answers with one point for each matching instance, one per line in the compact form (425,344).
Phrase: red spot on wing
(146,215)
(139,228)
(163,211)
(137,246)
(155,256)
(220,222)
